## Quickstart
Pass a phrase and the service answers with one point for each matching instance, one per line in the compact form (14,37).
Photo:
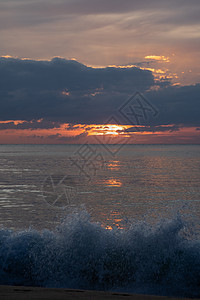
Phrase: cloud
(87,7)
(60,75)
(73,138)
(177,105)
(157,57)
(20,14)
(104,32)
(34,136)
(54,136)
(73,127)
(33,90)
(160,128)
(34,124)
(60,137)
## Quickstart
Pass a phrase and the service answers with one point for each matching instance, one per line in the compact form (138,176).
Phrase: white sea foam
(157,259)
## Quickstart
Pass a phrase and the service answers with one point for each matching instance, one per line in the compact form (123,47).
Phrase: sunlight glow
(158,57)
(108,129)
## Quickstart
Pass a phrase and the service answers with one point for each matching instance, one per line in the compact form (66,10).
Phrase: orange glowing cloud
(158,57)
(95,133)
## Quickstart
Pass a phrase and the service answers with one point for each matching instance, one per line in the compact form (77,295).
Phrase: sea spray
(156,259)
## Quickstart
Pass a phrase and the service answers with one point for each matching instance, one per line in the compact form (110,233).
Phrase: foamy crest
(156,259)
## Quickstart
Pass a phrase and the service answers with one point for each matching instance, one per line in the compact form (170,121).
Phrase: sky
(76,71)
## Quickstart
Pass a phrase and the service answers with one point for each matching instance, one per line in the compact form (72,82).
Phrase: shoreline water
(20,292)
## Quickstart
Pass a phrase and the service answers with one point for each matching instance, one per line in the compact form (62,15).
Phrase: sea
(122,218)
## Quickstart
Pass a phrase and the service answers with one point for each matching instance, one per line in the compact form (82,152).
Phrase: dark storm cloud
(171,128)
(177,105)
(63,91)
(34,124)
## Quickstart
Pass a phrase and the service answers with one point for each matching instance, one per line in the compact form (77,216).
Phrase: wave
(155,259)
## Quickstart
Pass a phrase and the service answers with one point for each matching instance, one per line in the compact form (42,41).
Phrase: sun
(107,129)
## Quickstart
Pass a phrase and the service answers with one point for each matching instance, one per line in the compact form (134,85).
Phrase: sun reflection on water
(113,182)
(114,165)
(113,220)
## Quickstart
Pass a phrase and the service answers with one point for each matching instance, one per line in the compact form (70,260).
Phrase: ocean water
(101,217)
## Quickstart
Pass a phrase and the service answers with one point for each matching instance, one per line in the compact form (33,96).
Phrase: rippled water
(40,184)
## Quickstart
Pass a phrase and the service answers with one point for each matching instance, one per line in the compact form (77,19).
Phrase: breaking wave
(81,254)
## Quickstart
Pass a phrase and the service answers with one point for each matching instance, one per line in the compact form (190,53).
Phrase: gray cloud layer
(32,13)
(104,32)
(67,91)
